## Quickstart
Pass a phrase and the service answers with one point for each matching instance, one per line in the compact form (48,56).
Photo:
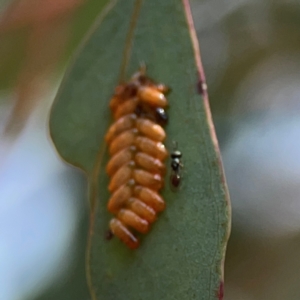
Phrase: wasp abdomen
(137,152)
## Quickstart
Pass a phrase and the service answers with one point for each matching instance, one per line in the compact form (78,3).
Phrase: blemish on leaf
(221,291)
(109,235)
(201,87)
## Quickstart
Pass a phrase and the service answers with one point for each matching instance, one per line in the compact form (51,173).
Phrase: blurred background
(251,55)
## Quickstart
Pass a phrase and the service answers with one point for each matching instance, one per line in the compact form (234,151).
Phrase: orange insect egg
(150,180)
(119,159)
(136,167)
(122,141)
(131,219)
(150,197)
(124,123)
(150,129)
(162,88)
(126,108)
(150,163)
(115,103)
(155,149)
(152,96)
(119,198)
(122,176)
(142,209)
(123,233)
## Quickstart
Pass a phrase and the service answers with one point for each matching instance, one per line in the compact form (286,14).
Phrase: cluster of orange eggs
(136,166)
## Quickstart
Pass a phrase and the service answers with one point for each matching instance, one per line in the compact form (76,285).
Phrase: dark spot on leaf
(109,235)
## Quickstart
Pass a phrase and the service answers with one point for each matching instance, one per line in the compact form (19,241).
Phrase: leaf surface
(182,257)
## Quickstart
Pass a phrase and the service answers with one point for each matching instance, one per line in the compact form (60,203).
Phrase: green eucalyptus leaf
(182,256)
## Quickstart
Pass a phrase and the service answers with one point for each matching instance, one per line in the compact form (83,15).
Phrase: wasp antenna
(175,145)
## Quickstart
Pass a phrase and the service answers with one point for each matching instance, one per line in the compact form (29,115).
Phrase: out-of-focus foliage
(18,19)
(36,39)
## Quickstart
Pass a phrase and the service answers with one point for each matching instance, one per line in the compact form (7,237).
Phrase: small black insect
(176,166)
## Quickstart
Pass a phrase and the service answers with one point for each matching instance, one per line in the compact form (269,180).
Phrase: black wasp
(176,166)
